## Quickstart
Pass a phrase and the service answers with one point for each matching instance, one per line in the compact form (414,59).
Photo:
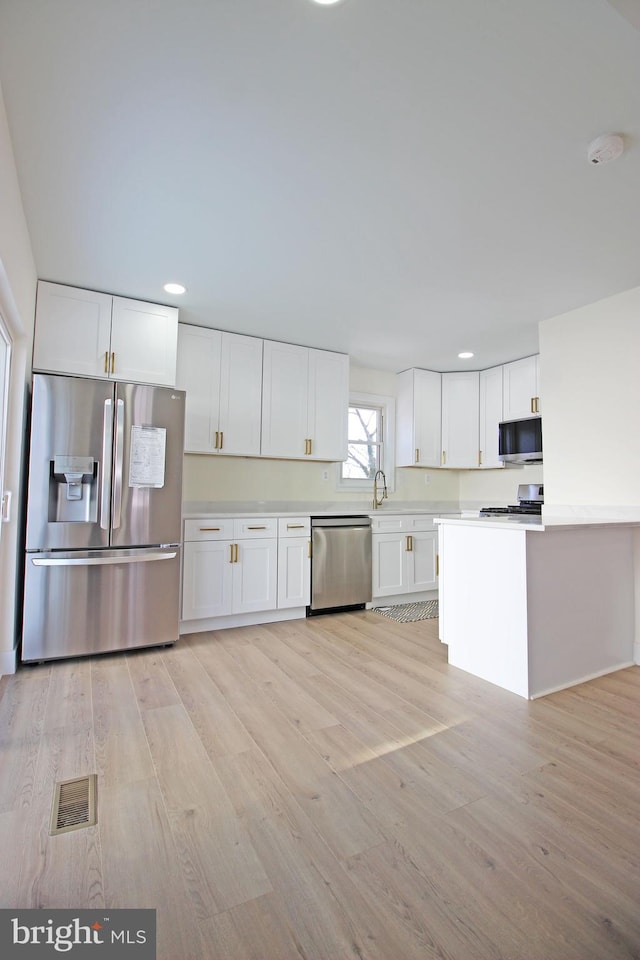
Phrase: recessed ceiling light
(465,355)
(174,288)
(326,2)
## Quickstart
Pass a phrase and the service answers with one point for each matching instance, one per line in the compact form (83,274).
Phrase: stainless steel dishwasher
(340,563)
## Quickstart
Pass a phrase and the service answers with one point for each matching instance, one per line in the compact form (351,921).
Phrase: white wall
(17,299)
(591,401)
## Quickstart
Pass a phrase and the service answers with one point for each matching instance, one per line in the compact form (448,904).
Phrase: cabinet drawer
(255,528)
(401,523)
(419,522)
(294,527)
(208,528)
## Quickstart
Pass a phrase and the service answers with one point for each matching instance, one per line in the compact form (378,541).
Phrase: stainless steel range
(530,500)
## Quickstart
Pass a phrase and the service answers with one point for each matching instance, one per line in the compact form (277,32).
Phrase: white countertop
(194,509)
(539,524)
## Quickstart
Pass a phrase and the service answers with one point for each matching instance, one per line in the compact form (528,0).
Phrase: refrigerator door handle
(117,467)
(100,561)
(107,457)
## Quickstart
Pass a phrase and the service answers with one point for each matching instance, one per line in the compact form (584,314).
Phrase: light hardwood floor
(329,789)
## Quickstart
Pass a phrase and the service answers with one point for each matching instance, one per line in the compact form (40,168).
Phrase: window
(370,442)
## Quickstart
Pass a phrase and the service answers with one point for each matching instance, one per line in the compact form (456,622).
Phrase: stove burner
(531,508)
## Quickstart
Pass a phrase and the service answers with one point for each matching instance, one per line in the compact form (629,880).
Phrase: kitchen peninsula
(536,605)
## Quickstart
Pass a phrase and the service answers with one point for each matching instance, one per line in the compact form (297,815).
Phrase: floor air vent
(74,804)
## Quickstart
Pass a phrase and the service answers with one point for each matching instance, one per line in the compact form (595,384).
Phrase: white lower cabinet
(294,562)
(234,567)
(404,557)
(230,566)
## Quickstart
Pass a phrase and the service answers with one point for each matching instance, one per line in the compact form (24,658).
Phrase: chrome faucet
(377,501)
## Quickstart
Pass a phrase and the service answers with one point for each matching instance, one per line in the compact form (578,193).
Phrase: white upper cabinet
(418,418)
(460,419)
(305,401)
(222,375)
(90,334)
(490,416)
(521,388)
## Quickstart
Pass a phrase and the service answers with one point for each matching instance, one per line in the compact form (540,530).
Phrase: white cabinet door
(144,342)
(199,352)
(521,388)
(73,331)
(240,395)
(388,564)
(294,572)
(207,579)
(420,560)
(328,405)
(490,416)
(418,418)
(460,419)
(284,400)
(255,575)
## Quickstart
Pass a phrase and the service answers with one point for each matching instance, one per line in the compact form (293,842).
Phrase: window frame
(387,407)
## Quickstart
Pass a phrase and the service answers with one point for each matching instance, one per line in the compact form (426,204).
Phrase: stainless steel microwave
(520,441)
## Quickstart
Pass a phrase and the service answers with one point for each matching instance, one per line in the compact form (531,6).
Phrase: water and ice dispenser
(73,490)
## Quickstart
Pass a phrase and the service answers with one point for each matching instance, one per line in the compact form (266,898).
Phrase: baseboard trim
(585,679)
(241,620)
(403,598)
(8,661)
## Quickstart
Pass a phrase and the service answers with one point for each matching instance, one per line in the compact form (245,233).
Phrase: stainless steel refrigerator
(102,568)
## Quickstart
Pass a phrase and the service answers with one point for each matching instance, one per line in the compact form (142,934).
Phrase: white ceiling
(398,179)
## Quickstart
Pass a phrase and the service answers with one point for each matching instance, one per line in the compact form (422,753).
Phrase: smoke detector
(605,148)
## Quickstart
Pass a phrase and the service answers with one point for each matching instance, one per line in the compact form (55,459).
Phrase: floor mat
(409,612)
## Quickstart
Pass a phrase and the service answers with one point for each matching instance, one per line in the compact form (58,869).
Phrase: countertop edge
(538,525)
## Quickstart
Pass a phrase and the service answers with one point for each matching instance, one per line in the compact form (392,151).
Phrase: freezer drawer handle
(99,561)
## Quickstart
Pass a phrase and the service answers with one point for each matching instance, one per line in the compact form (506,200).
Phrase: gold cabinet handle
(257,528)
(106,361)
(444,457)
(207,529)
(231,546)
(409,544)
(437,565)
(295,526)
(221,439)
(479,458)
(113,363)
(417,454)
(537,404)
(533,404)
(311,446)
(216,445)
